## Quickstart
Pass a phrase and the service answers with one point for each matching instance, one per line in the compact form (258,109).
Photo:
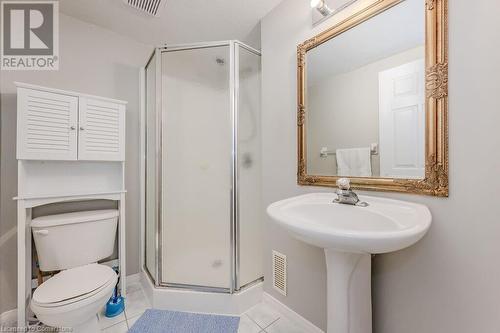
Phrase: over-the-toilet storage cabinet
(70,147)
(59,126)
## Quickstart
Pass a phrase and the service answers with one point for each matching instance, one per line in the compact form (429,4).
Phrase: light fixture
(321,7)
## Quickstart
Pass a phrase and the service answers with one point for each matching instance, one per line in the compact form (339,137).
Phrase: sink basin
(349,235)
(384,226)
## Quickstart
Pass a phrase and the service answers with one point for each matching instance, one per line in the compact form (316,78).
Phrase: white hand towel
(354,162)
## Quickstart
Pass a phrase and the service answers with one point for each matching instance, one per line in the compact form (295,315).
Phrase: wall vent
(152,7)
(279,272)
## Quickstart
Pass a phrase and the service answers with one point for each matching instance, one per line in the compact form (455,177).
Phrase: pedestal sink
(350,234)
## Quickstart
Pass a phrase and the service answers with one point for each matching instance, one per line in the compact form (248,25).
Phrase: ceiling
(398,29)
(180,21)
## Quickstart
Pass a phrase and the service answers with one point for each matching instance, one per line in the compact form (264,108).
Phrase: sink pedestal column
(349,292)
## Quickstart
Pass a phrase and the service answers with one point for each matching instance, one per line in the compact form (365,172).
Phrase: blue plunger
(116,303)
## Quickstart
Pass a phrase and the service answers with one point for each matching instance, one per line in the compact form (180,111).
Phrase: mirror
(372,96)
(365,98)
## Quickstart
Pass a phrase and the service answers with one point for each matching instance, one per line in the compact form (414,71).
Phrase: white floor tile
(105,322)
(136,303)
(283,325)
(132,320)
(118,328)
(263,314)
(133,287)
(247,325)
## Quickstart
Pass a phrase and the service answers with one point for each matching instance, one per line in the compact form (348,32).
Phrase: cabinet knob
(72,128)
(81,128)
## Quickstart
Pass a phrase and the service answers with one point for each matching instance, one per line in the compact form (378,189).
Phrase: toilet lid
(72,283)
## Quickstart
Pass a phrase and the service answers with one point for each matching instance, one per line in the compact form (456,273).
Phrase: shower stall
(202,205)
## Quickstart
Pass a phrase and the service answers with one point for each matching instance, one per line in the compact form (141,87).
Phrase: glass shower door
(196,168)
(249,166)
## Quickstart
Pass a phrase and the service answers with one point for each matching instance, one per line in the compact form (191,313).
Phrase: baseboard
(290,314)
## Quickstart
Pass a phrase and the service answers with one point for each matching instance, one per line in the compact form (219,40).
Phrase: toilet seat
(74,297)
(74,285)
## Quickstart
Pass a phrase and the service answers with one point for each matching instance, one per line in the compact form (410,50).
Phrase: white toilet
(73,243)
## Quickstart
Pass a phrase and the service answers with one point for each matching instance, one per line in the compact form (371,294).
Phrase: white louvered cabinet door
(46,125)
(101,130)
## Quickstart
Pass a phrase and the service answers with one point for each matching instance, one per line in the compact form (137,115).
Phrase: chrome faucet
(347,196)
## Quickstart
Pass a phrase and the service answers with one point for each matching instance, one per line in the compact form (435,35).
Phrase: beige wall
(449,281)
(344,112)
(93,61)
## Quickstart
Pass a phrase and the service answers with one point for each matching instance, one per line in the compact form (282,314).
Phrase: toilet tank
(70,240)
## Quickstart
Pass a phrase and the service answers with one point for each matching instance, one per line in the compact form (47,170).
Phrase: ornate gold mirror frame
(436,152)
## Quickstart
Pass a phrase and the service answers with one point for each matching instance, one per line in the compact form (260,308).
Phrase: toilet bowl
(72,298)
(73,243)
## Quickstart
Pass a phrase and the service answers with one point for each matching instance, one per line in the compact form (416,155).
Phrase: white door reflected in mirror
(402,121)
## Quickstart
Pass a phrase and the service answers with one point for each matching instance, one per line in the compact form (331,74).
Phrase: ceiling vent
(279,272)
(151,7)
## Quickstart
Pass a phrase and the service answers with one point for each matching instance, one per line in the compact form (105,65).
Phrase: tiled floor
(136,302)
(262,318)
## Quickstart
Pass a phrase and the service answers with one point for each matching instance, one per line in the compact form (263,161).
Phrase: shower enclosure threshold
(203,301)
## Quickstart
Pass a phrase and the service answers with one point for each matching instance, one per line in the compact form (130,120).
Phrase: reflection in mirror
(365,98)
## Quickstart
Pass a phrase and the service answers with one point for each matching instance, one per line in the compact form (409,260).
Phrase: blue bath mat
(160,321)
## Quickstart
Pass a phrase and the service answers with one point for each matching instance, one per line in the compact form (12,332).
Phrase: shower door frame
(234,247)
